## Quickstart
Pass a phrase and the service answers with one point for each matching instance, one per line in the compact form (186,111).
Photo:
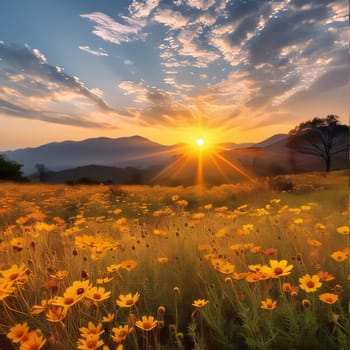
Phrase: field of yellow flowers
(239,266)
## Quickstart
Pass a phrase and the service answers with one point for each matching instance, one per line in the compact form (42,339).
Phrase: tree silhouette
(42,171)
(10,170)
(320,137)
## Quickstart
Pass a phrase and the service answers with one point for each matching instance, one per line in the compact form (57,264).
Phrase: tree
(42,172)
(10,170)
(320,137)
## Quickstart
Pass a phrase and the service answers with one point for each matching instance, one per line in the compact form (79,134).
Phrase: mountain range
(136,159)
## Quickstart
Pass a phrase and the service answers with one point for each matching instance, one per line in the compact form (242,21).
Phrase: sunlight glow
(200,142)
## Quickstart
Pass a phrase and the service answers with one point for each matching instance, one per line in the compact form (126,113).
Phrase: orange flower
(343,230)
(128,264)
(325,276)
(328,298)
(313,242)
(18,333)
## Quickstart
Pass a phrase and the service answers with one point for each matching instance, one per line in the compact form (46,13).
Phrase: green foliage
(10,170)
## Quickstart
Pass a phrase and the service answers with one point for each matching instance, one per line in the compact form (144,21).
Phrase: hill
(125,151)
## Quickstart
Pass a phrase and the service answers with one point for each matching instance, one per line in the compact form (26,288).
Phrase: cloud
(99,52)
(189,47)
(201,4)
(159,108)
(142,9)
(31,88)
(115,32)
(170,18)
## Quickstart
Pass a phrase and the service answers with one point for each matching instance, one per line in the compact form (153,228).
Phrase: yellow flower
(253,277)
(16,274)
(288,288)
(277,268)
(117,211)
(97,294)
(298,221)
(17,243)
(128,300)
(59,275)
(343,230)
(268,304)
(256,249)
(320,226)
(197,216)
(255,268)
(314,242)
(56,313)
(108,318)
(339,255)
(225,267)
(104,280)
(159,232)
(91,342)
(306,303)
(310,283)
(78,288)
(113,268)
(35,341)
(6,289)
(239,275)
(328,298)
(66,301)
(162,260)
(128,264)
(18,333)
(147,323)
(175,197)
(91,329)
(199,303)
(182,202)
(120,333)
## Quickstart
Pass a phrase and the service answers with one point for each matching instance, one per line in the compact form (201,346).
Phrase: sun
(200,142)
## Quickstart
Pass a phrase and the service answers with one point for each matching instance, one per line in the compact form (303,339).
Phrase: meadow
(261,265)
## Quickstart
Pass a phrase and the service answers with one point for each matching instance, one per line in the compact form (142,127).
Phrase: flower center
(91,344)
(147,325)
(68,301)
(129,302)
(310,284)
(97,296)
(278,271)
(14,276)
(80,291)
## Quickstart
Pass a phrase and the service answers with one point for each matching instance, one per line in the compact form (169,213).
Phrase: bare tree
(320,137)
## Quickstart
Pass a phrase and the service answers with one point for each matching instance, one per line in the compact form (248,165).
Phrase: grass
(215,268)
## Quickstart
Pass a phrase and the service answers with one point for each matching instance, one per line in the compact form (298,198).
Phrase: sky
(171,71)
